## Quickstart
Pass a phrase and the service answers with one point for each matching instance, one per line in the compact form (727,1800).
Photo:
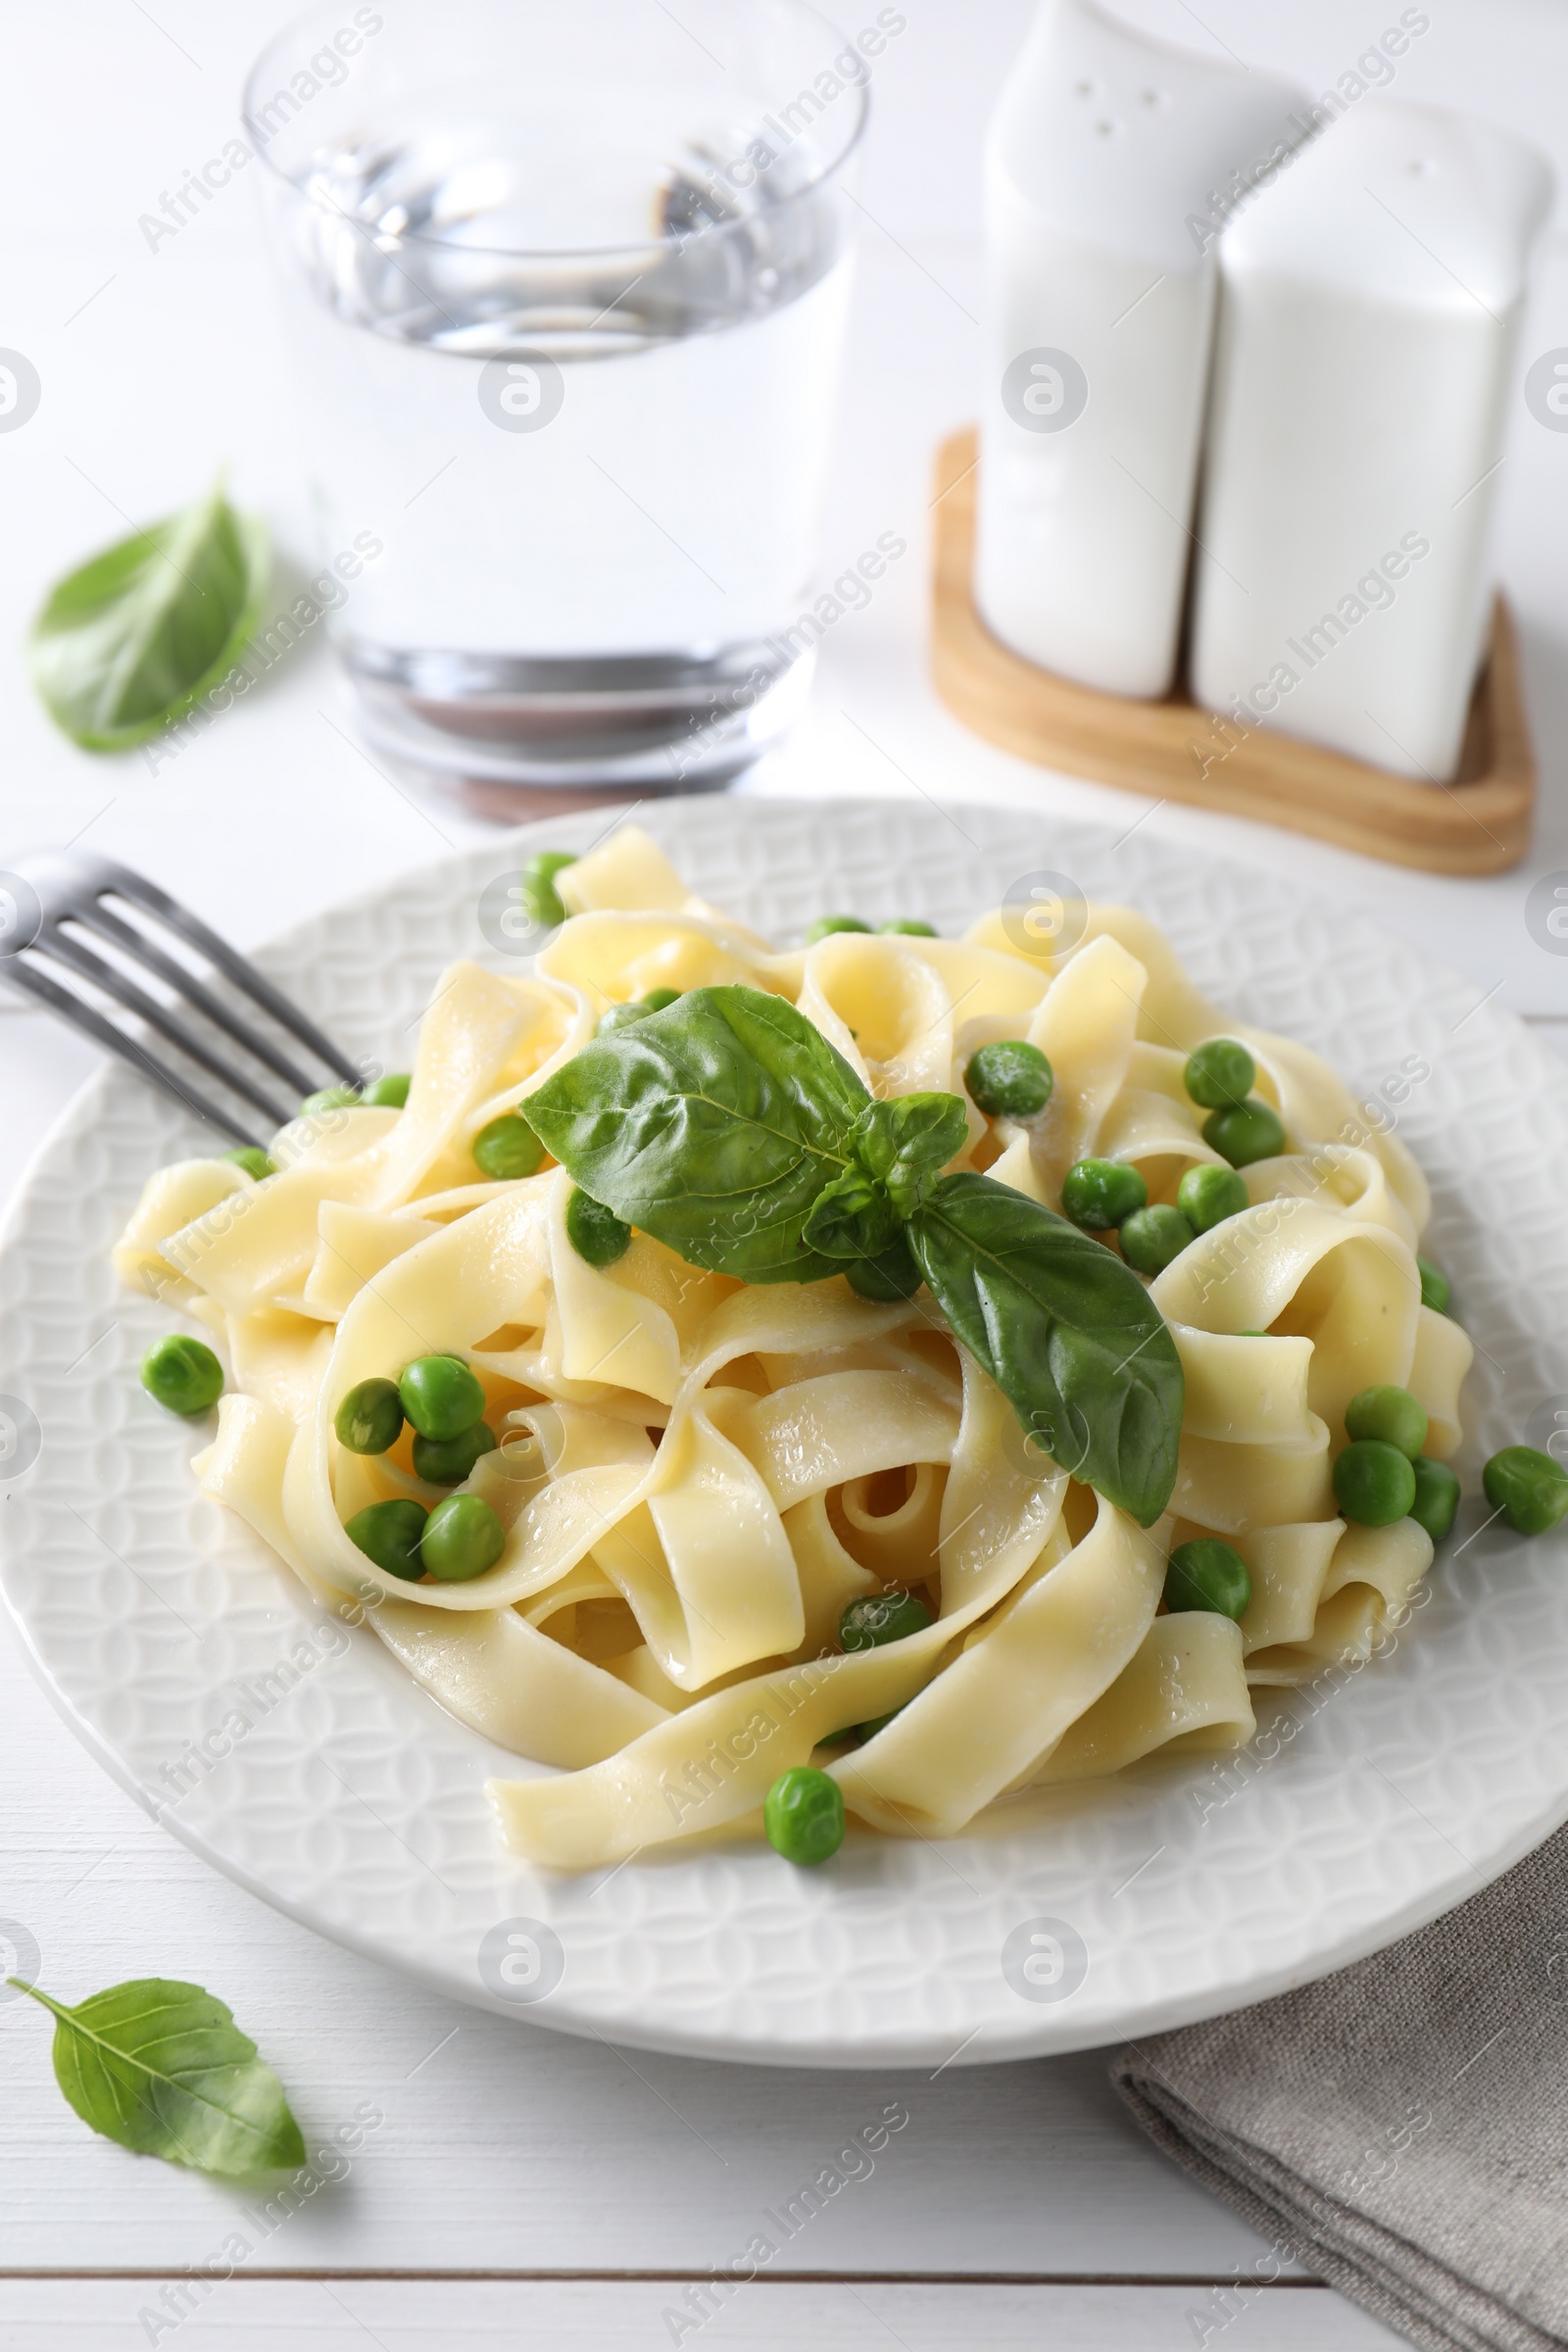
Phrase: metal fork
(55,903)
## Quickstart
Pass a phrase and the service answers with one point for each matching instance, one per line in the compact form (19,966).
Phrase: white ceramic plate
(300,1759)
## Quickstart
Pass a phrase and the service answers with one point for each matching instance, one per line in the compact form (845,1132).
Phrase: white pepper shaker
(1369,312)
(1107,160)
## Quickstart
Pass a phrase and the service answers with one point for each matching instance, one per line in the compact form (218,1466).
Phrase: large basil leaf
(163,2067)
(1065,1330)
(136,637)
(713,1125)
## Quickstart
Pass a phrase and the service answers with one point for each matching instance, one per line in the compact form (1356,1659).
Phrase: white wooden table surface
(520,2186)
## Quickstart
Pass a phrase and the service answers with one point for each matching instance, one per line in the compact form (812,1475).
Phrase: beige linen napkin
(1399,2128)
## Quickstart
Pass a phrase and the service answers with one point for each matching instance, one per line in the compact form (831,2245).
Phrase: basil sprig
(132,640)
(714,1125)
(728,1128)
(163,2067)
(896,1151)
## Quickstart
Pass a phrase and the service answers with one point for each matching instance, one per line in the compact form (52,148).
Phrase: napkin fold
(1401,2129)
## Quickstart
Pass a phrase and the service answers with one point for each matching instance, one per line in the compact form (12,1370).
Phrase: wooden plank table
(519,2186)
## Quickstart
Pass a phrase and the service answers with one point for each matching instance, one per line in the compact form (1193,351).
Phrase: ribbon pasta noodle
(696,1477)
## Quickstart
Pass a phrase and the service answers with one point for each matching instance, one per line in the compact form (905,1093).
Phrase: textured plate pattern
(299,1759)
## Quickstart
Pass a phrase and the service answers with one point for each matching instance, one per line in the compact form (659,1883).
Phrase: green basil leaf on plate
(713,1125)
(852,1218)
(163,2068)
(896,1150)
(905,1144)
(1067,1330)
(129,642)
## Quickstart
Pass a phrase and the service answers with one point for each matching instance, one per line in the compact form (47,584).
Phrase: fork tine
(85,1017)
(97,917)
(153,901)
(114,983)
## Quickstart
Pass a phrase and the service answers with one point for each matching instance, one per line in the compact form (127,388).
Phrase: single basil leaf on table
(130,641)
(713,1125)
(1067,1330)
(163,2068)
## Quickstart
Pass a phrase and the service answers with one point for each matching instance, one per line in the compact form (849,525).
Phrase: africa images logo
(1547,912)
(520,1960)
(1045,1960)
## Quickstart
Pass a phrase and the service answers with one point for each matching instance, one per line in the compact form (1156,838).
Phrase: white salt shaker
(1107,161)
(1370,306)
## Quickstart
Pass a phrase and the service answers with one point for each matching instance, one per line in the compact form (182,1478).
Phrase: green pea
(867,1732)
(827,924)
(253,1159)
(1244,1132)
(331,1097)
(447,1461)
(1436,1292)
(621,1016)
(370,1418)
(1390,1413)
(1097,1194)
(1009,1080)
(182,1374)
(1528,1488)
(911,927)
(388,1533)
(880,1617)
(886,1279)
(1206,1196)
(1436,1497)
(803,1814)
(1219,1073)
(440,1396)
(389,1093)
(508,1148)
(594,1232)
(1374,1483)
(540,895)
(462,1538)
(1151,1239)
(1207,1574)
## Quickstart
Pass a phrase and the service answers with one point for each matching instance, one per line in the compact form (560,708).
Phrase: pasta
(696,1475)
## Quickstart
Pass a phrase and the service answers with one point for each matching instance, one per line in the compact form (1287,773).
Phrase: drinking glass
(564,285)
